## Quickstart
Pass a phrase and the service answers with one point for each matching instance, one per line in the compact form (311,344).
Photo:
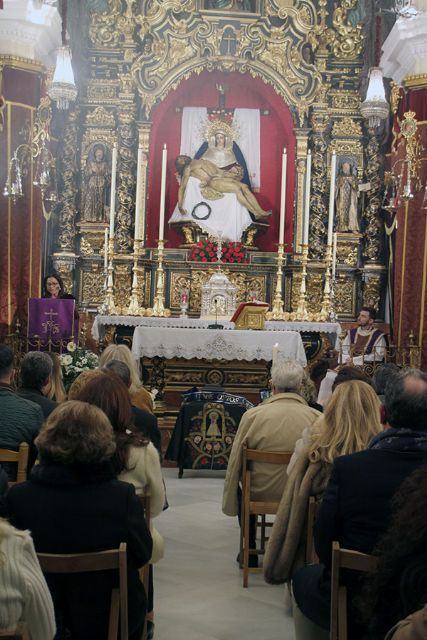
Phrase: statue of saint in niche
(347,190)
(95,186)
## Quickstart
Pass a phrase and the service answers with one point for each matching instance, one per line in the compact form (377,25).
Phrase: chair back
(20,632)
(21,457)
(345,559)
(256,507)
(97,561)
(310,553)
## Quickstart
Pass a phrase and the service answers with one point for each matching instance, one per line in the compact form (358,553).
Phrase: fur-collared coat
(286,545)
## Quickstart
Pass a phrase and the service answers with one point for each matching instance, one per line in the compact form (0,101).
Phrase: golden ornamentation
(257,284)
(103,31)
(352,148)
(85,247)
(347,128)
(345,295)
(347,252)
(92,286)
(373,228)
(414,147)
(295,289)
(122,284)
(314,291)
(345,101)
(179,281)
(348,40)
(147,292)
(372,291)
(319,186)
(100,116)
(394,96)
(102,91)
(65,267)
(68,172)
(126,180)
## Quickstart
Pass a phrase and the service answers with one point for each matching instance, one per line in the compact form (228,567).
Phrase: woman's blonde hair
(122,353)
(76,432)
(350,420)
(56,389)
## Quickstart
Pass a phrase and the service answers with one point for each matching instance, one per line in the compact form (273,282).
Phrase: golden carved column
(301,136)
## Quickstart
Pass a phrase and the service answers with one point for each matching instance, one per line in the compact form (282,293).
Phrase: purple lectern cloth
(51,319)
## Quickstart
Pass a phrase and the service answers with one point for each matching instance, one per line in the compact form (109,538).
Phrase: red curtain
(276,133)
(21,223)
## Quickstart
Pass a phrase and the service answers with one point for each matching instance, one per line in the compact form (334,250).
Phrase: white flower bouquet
(76,360)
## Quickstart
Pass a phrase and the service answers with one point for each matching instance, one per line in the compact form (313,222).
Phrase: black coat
(36,396)
(81,509)
(355,511)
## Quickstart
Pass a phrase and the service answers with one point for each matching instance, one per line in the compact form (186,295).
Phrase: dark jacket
(71,509)
(355,511)
(47,405)
(146,423)
(20,421)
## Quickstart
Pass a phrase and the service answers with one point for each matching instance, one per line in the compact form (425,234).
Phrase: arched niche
(277,131)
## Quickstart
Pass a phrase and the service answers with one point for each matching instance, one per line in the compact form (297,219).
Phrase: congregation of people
(95,451)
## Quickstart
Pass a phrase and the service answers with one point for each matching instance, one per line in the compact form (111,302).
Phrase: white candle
(113,189)
(137,235)
(163,193)
(106,248)
(282,199)
(332,198)
(334,255)
(307,199)
(275,352)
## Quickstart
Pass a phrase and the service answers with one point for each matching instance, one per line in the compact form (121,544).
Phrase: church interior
(211,182)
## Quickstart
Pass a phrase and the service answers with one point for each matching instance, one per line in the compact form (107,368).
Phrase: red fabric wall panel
(276,133)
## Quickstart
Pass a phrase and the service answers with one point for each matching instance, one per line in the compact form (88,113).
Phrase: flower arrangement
(77,359)
(206,251)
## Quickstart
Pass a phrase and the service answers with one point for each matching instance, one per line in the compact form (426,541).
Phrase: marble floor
(198,584)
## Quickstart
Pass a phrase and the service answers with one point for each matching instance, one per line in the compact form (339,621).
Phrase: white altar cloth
(213,344)
(101,322)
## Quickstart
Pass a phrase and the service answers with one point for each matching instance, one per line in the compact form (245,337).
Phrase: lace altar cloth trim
(214,344)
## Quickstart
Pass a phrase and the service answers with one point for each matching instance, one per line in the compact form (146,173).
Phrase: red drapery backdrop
(21,223)
(410,272)
(276,133)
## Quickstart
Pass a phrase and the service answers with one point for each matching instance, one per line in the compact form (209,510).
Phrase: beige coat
(274,425)
(144,471)
(414,627)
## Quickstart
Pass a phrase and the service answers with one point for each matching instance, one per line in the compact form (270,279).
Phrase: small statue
(347,191)
(96,182)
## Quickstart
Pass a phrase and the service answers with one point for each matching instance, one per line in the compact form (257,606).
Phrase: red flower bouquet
(206,251)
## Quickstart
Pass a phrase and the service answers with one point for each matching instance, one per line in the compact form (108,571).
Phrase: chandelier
(63,89)
(375,106)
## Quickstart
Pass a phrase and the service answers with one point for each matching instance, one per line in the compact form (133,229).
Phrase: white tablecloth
(212,344)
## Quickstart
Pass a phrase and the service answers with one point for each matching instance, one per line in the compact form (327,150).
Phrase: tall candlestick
(137,234)
(113,189)
(106,248)
(307,199)
(334,255)
(283,198)
(332,197)
(163,193)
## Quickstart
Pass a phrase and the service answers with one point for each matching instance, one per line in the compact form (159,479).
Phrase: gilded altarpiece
(141,52)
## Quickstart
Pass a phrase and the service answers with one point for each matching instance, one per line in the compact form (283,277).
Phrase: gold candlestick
(326,301)
(277,312)
(109,304)
(302,311)
(159,310)
(134,308)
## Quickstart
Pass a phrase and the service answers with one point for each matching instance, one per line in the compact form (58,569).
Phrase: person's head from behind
(36,370)
(120,369)
(53,285)
(81,381)
(405,400)
(382,374)
(286,376)
(308,389)
(350,372)
(55,390)
(76,433)
(110,394)
(350,420)
(6,364)
(122,353)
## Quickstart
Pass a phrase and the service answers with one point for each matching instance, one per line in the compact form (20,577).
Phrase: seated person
(55,390)
(350,421)
(20,419)
(364,343)
(356,504)
(73,503)
(36,373)
(274,425)
(25,594)
(398,588)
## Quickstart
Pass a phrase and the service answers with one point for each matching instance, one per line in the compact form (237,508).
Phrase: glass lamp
(63,89)
(375,106)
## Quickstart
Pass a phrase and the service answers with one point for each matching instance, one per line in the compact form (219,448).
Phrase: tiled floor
(198,584)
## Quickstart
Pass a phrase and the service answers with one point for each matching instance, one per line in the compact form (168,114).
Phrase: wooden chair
(20,457)
(344,559)
(254,507)
(97,561)
(144,572)
(20,632)
(310,553)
